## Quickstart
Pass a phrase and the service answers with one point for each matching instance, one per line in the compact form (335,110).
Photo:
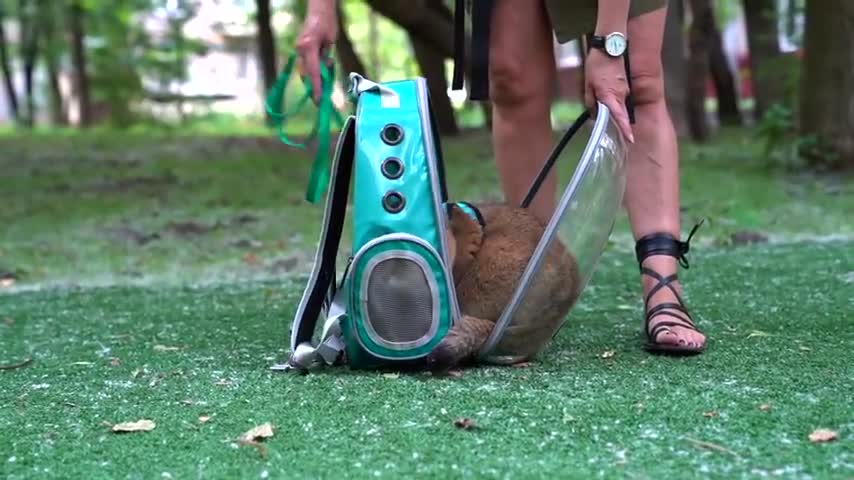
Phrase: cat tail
(462,342)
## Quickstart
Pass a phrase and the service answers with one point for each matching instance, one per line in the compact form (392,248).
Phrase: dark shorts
(571,19)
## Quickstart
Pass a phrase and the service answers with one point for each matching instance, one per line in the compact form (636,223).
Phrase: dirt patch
(124,185)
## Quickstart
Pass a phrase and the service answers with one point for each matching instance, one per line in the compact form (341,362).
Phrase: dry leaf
(765,407)
(758,333)
(823,435)
(522,365)
(608,354)
(187,401)
(464,423)
(204,419)
(455,373)
(7,282)
(223,381)
(391,375)
(259,432)
(805,349)
(164,348)
(251,259)
(138,426)
(710,414)
(115,362)
(81,364)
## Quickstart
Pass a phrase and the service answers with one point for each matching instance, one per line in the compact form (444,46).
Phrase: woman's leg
(652,187)
(522,79)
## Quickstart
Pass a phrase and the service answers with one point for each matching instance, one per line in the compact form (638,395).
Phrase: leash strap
(321,130)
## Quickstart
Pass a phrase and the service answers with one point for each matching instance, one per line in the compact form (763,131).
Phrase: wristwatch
(614,44)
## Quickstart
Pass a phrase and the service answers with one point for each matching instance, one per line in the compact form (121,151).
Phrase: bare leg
(652,187)
(522,79)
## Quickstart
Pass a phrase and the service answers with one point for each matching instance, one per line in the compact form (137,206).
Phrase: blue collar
(470,210)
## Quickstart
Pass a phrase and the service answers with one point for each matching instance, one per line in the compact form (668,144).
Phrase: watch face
(615,45)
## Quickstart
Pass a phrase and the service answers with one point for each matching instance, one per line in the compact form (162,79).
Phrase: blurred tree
(728,111)
(30,31)
(761,20)
(79,61)
(49,16)
(827,96)
(431,62)
(674,61)
(346,52)
(698,68)
(8,78)
(427,24)
(266,43)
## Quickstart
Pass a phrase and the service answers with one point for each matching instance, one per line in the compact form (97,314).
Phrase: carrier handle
(274,104)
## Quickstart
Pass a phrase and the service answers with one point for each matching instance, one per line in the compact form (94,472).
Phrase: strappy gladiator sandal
(666,244)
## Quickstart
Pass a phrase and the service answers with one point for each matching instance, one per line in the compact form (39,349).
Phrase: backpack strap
(481,19)
(322,297)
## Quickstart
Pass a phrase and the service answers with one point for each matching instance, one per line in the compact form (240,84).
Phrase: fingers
(309,54)
(621,117)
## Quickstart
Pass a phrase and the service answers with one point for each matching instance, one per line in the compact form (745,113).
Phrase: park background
(155,240)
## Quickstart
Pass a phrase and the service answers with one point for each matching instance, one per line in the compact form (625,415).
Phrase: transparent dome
(573,241)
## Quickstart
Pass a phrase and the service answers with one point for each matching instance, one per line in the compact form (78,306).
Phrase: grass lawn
(154,276)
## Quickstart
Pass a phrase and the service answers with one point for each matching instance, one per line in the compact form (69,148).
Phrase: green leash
(274,105)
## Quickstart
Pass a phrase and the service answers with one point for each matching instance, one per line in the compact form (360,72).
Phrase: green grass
(88,292)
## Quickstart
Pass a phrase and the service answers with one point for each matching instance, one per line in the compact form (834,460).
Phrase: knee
(647,83)
(513,85)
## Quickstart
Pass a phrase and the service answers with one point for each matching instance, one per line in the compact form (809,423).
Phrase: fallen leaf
(15,366)
(391,375)
(204,419)
(7,282)
(522,365)
(608,354)
(164,348)
(455,373)
(187,401)
(805,349)
(823,435)
(464,423)
(223,381)
(115,362)
(764,407)
(710,414)
(251,259)
(138,426)
(258,433)
(81,364)
(758,333)
(710,446)
(136,373)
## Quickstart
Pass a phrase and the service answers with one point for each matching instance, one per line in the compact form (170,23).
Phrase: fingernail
(631,138)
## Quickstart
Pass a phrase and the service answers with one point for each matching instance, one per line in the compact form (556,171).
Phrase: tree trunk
(698,69)
(428,24)
(827,99)
(347,55)
(8,80)
(673,59)
(50,50)
(432,66)
(728,111)
(374,44)
(761,20)
(78,58)
(29,52)
(266,43)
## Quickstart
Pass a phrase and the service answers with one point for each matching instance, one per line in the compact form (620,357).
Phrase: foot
(668,326)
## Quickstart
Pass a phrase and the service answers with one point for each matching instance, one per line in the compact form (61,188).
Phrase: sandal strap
(662,282)
(665,244)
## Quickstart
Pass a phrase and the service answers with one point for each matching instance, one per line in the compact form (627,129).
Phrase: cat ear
(466,231)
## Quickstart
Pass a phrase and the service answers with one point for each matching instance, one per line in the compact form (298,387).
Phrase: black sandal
(666,244)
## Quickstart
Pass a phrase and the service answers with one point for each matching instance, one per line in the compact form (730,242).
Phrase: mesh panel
(400,301)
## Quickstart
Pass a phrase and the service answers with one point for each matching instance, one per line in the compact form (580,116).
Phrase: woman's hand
(318,34)
(605,80)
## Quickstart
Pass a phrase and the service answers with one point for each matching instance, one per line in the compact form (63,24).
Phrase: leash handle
(274,105)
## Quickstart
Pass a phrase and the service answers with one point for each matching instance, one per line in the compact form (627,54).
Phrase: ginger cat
(488,262)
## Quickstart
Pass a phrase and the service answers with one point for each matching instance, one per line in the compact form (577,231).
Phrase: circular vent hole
(392,134)
(392,168)
(393,202)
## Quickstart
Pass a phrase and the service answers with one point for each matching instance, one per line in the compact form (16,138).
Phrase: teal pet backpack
(395,300)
